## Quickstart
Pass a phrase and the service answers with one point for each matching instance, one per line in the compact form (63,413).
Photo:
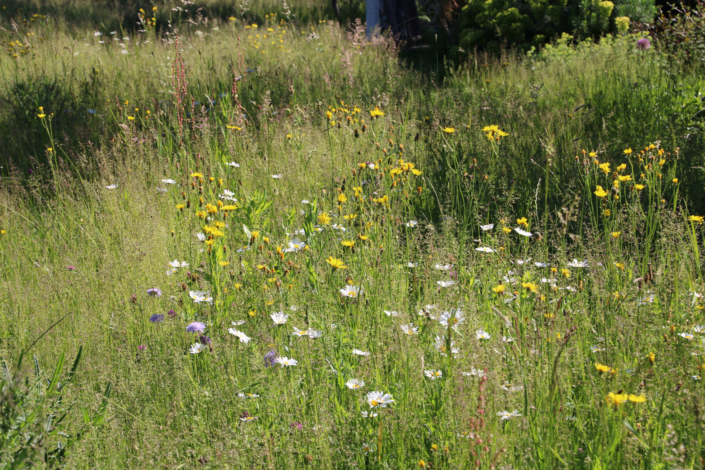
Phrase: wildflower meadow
(246,235)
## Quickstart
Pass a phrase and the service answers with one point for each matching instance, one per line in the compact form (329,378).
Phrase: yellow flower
(624,178)
(235,128)
(499,289)
(223,263)
(2,232)
(348,243)
(622,167)
(506,229)
(130,118)
(342,198)
(565,273)
(674,181)
(605,167)
(375,113)
(698,219)
(628,152)
(651,357)
(603,369)
(323,219)
(639,187)
(255,234)
(362,237)
(180,206)
(616,399)
(335,263)
(619,265)
(329,115)
(237,285)
(637,398)
(196,175)
(350,216)
(448,130)
(529,286)
(523,222)
(41,116)
(616,234)
(600,192)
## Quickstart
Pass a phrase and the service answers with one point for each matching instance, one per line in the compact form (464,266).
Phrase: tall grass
(611,279)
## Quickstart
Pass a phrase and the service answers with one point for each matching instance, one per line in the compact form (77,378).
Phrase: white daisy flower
(233,164)
(542,265)
(201,236)
(411,265)
(410,329)
(391,313)
(455,316)
(305,201)
(337,227)
(433,374)
(294,246)
(442,347)
(646,300)
(596,349)
(161,190)
(200,296)
(238,322)
(485,249)
(507,339)
(487,227)
(247,395)
(578,264)
(171,271)
(523,232)
(112,186)
(276,177)
(358,352)
(505,415)
(239,334)
(507,387)
(443,267)
(699,329)
(687,336)
(313,334)
(371,414)
(196,348)
(379,399)
(446,283)
(285,361)
(248,419)
(412,223)
(351,291)
(168,181)
(482,334)
(178,264)
(354,384)
(279,318)
(298,332)
(97,34)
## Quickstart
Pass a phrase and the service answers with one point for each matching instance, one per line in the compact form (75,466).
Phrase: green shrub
(523,24)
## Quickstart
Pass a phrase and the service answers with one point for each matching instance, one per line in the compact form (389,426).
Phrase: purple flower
(171,313)
(70,267)
(156,318)
(30,171)
(270,358)
(644,44)
(297,426)
(196,327)
(205,340)
(141,347)
(133,299)
(154,292)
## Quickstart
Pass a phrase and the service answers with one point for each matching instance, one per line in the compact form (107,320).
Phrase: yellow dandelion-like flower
(336,263)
